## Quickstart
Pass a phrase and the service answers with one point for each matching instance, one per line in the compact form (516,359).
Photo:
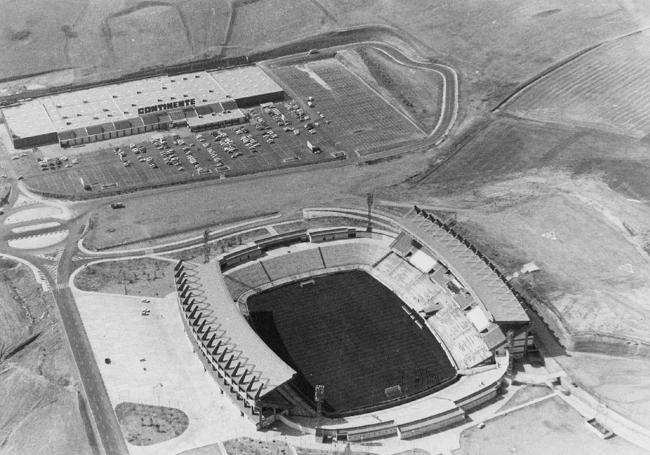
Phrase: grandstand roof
(494,337)
(403,244)
(470,269)
(272,369)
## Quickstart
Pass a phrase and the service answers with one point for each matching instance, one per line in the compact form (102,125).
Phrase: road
(95,391)
(108,437)
(104,422)
(450,101)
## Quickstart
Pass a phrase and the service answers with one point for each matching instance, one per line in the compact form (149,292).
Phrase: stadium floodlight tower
(206,247)
(319,397)
(370,198)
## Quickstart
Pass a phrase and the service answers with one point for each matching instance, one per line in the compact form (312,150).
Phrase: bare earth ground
(107,37)
(150,218)
(264,24)
(142,277)
(526,394)
(220,246)
(550,426)
(316,223)
(248,446)
(493,56)
(145,424)
(508,146)
(132,35)
(622,383)
(40,409)
(195,231)
(490,42)
(604,88)
(414,91)
(152,362)
(157,214)
(597,278)
(593,271)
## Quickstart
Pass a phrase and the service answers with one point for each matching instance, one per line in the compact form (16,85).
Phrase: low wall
(431,424)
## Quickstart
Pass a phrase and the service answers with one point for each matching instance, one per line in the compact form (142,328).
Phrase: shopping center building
(198,100)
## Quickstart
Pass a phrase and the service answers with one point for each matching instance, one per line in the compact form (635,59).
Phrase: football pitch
(348,332)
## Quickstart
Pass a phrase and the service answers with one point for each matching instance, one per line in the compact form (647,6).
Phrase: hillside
(487,41)
(604,88)
(38,383)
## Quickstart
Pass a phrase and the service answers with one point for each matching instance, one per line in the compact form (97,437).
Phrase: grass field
(145,425)
(143,276)
(354,338)
(360,119)
(605,88)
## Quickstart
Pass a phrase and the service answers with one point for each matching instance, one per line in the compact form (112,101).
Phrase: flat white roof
(245,81)
(97,105)
(29,119)
(422,261)
(215,117)
(478,318)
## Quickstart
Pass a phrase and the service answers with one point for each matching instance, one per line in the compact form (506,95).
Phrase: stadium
(354,333)
(199,100)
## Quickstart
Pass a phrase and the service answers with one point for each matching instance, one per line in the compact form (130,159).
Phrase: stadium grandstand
(392,298)
(198,100)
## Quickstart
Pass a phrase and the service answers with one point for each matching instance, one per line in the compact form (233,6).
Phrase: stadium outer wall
(404,425)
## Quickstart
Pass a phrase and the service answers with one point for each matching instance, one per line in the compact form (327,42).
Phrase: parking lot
(360,119)
(275,138)
(336,112)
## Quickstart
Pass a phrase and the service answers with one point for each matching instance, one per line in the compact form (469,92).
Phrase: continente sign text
(166,106)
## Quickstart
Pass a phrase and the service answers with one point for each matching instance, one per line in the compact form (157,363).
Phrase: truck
(313,148)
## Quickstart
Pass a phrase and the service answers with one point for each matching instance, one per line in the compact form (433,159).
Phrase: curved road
(105,435)
(104,423)
(450,92)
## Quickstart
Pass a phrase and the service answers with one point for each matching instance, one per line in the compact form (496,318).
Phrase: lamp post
(206,247)
(369,200)
(319,397)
